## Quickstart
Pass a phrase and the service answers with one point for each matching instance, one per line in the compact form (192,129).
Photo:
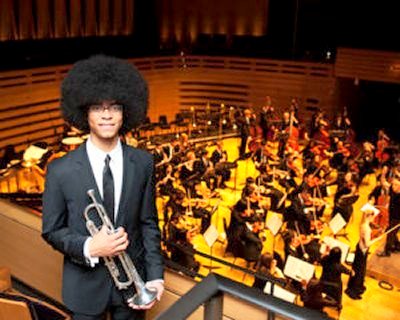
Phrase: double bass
(255,142)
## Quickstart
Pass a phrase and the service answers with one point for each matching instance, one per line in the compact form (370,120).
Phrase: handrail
(210,292)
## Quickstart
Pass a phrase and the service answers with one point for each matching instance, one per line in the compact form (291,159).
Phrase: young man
(106,97)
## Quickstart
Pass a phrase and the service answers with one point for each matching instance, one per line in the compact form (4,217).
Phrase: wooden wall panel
(370,65)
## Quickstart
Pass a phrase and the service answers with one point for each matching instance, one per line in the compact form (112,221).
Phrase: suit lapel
(85,172)
(127,183)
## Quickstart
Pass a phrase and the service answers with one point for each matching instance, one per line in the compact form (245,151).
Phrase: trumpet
(143,295)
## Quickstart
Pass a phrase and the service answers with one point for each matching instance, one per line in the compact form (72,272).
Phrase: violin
(317,225)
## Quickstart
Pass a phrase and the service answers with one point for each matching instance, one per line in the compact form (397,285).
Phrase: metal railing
(211,290)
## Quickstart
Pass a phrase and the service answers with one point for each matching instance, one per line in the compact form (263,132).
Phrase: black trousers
(117,310)
(391,241)
(355,286)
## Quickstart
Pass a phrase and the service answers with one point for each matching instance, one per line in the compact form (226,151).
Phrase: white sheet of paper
(211,235)
(298,269)
(274,224)
(332,242)
(279,292)
(337,223)
(350,257)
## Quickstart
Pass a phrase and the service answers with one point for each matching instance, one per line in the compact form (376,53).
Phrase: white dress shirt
(96,160)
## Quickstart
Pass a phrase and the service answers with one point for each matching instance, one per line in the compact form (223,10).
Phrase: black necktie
(108,189)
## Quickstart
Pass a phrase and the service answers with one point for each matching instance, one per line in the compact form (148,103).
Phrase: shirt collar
(100,154)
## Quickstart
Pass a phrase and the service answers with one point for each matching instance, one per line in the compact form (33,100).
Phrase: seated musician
(174,207)
(264,156)
(345,197)
(291,244)
(166,181)
(246,242)
(218,153)
(187,174)
(180,245)
(242,212)
(314,297)
(267,266)
(204,169)
(366,160)
(219,158)
(315,186)
(277,197)
(299,212)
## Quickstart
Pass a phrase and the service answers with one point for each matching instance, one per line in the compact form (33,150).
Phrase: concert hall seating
(18,306)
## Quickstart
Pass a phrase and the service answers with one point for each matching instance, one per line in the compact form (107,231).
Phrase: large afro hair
(101,78)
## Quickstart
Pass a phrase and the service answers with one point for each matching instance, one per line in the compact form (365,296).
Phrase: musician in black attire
(344,199)
(266,116)
(204,170)
(331,277)
(298,212)
(246,243)
(244,126)
(240,215)
(219,158)
(187,173)
(180,246)
(314,297)
(267,266)
(173,208)
(166,180)
(291,245)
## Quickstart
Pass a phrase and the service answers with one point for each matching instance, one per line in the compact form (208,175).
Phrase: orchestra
(292,176)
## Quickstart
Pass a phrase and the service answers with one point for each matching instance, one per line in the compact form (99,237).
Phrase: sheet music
(332,242)
(274,224)
(337,223)
(350,257)
(211,235)
(280,292)
(369,207)
(298,269)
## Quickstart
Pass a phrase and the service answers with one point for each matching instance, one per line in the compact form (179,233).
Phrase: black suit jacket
(87,289)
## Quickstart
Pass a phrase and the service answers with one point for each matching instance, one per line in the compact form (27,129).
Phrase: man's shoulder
(138,154)
(63,162)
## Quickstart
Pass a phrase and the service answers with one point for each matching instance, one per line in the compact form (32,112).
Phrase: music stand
(274,224)
(210,236)
(344,201)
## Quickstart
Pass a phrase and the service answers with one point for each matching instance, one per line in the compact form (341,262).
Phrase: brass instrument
(143,295)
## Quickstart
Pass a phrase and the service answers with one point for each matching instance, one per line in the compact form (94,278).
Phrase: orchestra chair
(5,279)
(18,306)
(16,310)
(163,123)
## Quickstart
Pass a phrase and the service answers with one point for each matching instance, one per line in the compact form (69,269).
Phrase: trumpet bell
(143,298)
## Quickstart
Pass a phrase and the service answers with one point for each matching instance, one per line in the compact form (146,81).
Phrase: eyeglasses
(113,108)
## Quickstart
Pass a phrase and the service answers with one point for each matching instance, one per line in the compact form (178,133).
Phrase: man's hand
(151,285)
(104,244)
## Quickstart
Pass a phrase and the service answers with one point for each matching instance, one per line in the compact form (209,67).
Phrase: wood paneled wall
(381,66)
(29,99)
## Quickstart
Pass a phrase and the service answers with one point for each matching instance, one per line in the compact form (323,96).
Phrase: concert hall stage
(385,268)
